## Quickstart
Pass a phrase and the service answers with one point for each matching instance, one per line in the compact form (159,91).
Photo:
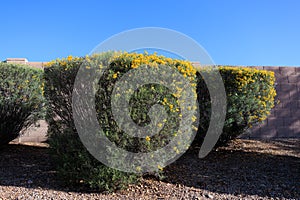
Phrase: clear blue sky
(234,32)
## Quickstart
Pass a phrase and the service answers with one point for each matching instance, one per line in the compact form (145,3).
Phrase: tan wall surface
(284,121)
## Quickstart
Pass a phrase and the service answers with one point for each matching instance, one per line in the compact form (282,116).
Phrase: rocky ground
(246,169)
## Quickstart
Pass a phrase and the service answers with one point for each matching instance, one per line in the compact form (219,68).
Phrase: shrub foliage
(21,99)
(74,162)
(142,100)
(250,98)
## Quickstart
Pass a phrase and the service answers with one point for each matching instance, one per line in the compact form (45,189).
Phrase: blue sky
(233,32)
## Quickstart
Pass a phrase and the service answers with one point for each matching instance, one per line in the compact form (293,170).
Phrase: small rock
(195,198)
(209,196)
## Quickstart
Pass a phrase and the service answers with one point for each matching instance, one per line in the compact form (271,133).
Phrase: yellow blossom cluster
(119,64)
(246,81)
(63,62)
(137,59)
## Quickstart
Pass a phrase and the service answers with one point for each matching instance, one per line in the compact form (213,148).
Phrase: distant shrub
(21,99)
(75,164)
(250,98)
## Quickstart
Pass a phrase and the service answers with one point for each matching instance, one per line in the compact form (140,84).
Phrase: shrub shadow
(229,171)
(239,172)
(31,167)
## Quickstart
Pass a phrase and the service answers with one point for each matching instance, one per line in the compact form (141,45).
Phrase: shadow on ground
(238,170)
(26,166)
(230,170)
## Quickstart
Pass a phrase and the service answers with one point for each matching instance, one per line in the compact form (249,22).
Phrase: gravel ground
(246,169)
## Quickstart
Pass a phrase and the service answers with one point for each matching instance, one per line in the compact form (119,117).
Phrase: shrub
(74,162)
(21,99)
(250,98)
(141,101)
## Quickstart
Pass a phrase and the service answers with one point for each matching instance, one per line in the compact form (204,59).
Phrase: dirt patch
(246,169)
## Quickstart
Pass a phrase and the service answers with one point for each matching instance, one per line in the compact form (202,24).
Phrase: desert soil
(246,169)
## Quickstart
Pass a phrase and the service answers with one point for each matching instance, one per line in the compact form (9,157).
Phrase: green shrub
(74,162)
(21,99)
(250,98)
(141,101)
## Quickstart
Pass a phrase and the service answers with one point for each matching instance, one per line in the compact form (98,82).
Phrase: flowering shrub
(250,98)
(74,162)
(142,100)
(21,99)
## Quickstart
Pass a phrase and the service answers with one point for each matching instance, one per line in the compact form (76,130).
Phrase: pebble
(209,196)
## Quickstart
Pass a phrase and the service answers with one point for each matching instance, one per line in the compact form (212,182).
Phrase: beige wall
(24,61)
(284,121)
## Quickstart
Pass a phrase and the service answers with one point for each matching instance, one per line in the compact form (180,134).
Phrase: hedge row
(250,98)
(21,99)
(74,163)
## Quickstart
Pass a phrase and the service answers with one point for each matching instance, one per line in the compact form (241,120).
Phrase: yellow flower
(147,138)
(115,75)
(176,150)
(138,168)
(194,118)
(160,167)
(88,67)
(195,128)
(63,63)
(69,58)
